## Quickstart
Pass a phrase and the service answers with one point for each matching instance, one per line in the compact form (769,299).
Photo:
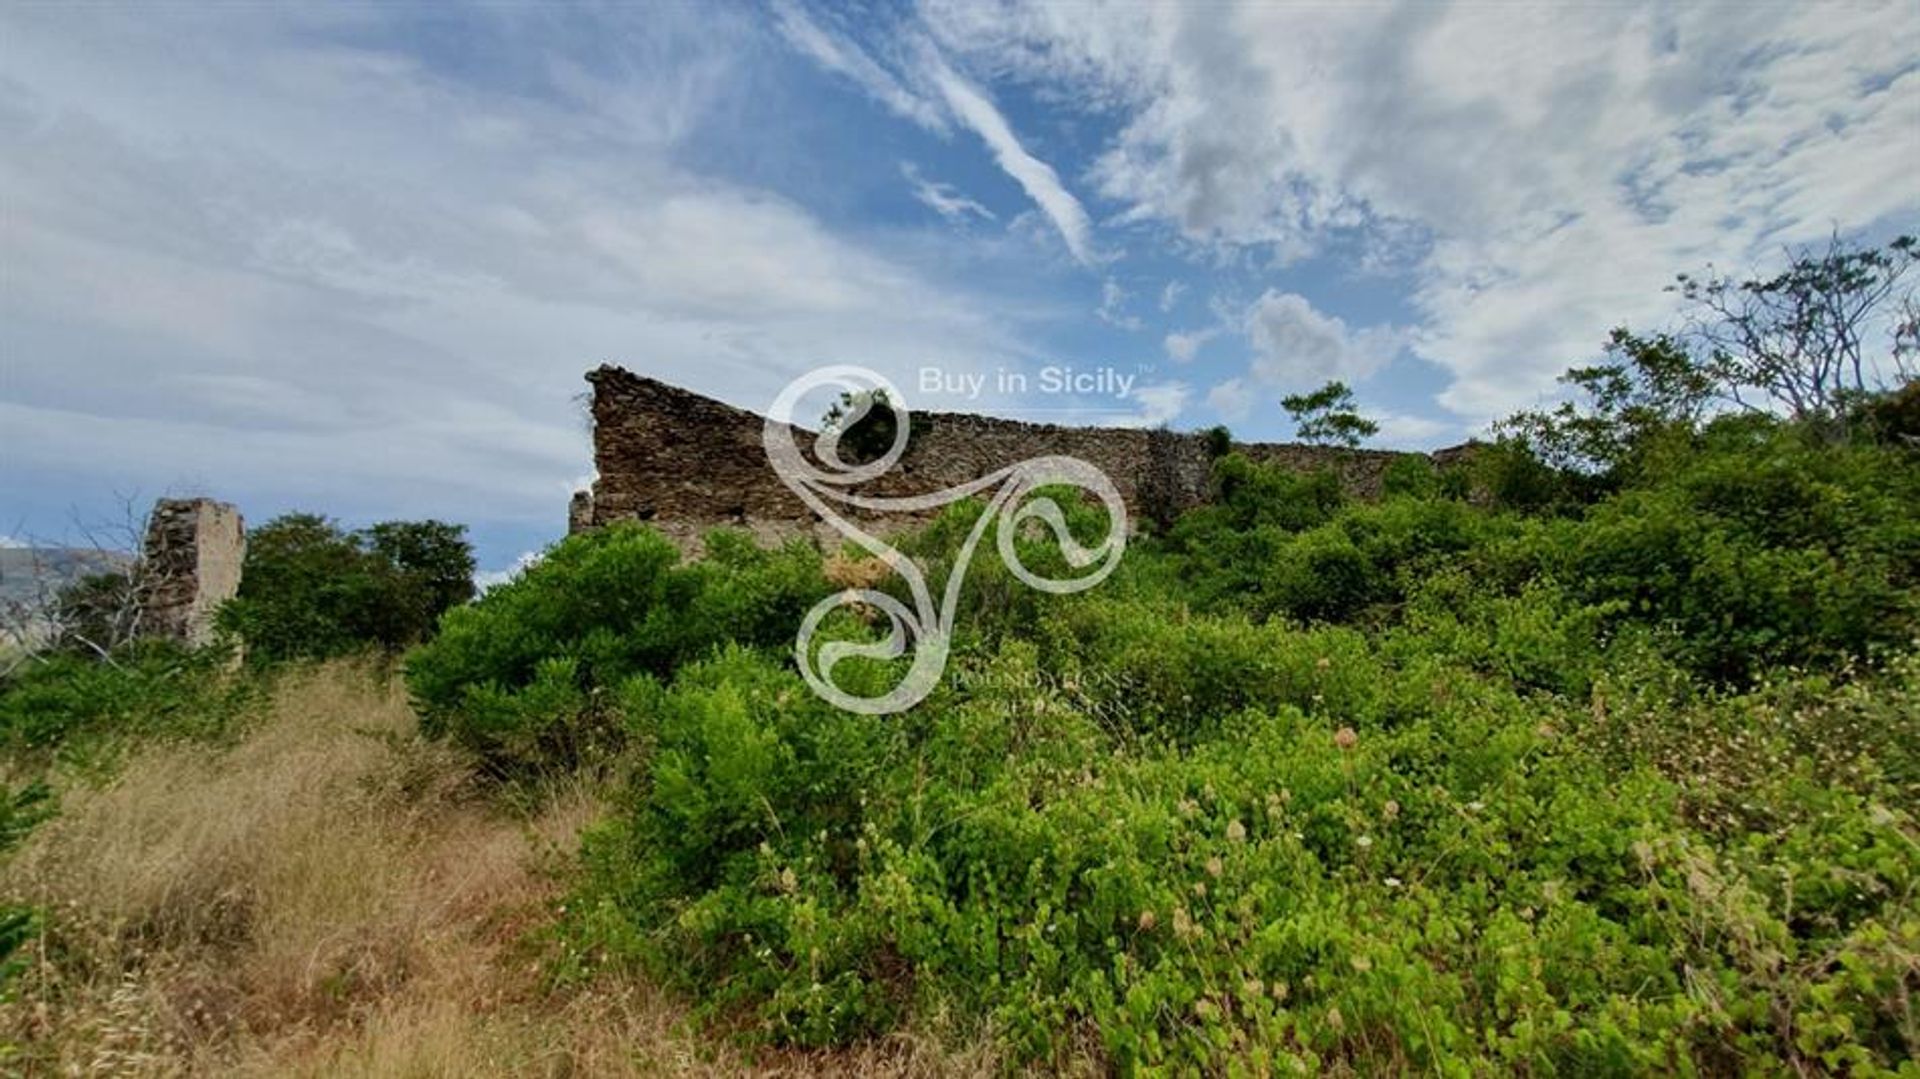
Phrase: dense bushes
(79,706)
(1758,550)
(524,675)
(1750,547)
(1609,779)
(310,590)
(1457,878)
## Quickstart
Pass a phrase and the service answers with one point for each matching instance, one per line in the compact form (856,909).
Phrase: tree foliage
(1653,387)
(1327,417)
(1806,340)
(865,424)
(1217,440)
(311,589)
(1828,343)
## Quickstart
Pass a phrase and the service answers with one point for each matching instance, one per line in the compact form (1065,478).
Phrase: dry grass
(332,896)
(855,571)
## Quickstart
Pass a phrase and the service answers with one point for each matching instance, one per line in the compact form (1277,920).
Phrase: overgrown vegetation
(1405,786)
(1328,417)
(1594,755)
(312,590)
(74,708)
(1597,757)
(864,425)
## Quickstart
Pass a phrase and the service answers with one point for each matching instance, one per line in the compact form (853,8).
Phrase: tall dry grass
(333,895)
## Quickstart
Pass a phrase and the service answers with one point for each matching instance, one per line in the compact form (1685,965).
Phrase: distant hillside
(26,573)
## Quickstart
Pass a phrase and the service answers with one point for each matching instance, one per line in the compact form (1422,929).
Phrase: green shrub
(523,675)
(1471,882)
(1181,677)
(79,706)
(1761,551)
(1603,779)
(1514,477)
(1217,441)
(1410,476)
(312,590)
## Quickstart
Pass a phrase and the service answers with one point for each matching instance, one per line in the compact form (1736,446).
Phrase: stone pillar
(194,550)
(580,512)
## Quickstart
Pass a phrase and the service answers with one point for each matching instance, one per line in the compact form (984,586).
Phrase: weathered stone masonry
(687,463)
(193,554)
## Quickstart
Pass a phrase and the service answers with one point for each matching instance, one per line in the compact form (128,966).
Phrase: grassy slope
(330,896)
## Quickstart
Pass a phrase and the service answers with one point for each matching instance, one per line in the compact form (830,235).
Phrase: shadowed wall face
(687,464)
(195,548)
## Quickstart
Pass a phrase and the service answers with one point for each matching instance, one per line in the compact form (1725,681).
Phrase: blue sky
(355,258)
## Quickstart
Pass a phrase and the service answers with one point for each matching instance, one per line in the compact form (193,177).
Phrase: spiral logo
(925,629)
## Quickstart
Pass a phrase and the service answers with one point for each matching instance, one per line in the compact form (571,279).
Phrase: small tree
(88,599)
(434,556)
(1328,417)
(866,424)
(1653,385)
(100,612)
(312,589)
(1800,340)
(1796,343)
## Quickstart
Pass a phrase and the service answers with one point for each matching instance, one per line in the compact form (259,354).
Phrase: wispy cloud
(942,198)
(1112,309)
(1530,175)
(1400,430)
(1034,176)
(1183,346)
(837,54)
(959,99)
(398,325)
(1160,403)
(1232,399)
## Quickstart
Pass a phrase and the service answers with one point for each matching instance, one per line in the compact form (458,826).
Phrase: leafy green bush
(523,675)
(78,706)
(1218,441)
(1760,551)
(1410,476)
(310,590)
(1468,884)
(1601,779)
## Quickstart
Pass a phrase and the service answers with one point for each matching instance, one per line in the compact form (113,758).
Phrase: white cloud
(1298,347)
(1400,430)
(1034,176)
(10,543)
(1171,295)
(1160,403)
(1232,399)
(842,57)
(494,578)
(938,93)
(1183,346)
(260,261)
(941,198)
(1113,300)
(1535,173)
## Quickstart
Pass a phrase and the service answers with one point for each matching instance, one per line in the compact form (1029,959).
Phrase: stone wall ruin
(190,566)
(687,464)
